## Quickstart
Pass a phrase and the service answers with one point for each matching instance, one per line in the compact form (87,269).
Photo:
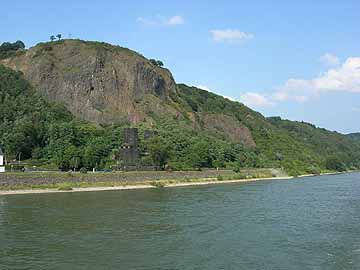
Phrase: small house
(2,167)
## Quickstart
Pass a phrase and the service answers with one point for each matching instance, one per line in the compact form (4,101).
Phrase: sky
(296,59)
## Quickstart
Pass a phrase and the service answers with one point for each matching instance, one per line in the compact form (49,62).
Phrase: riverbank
(146,184)
(154,184)
(63,180)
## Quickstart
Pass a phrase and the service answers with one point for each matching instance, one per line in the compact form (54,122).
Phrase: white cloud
(329,59)
(252,99)
(293,89)
(230,35)
(161,21)
(146,21)
(175,20)
(345,78)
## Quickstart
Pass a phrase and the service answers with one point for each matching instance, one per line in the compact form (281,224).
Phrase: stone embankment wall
(48,178)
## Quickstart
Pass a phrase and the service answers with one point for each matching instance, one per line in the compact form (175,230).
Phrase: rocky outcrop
(97,82)
(107,84)
(228,127)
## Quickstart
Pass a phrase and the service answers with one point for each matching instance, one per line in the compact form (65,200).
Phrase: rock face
(229,127)
(97,82)
(107,84)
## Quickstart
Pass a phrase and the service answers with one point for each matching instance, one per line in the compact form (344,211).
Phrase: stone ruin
(129,155)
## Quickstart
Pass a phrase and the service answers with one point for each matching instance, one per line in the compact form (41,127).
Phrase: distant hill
(354,136)
(105,88)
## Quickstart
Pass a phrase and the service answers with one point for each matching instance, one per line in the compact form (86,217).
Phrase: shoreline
(140,186)
(148,186)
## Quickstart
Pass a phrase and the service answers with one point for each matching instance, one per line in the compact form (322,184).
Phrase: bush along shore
(23,183)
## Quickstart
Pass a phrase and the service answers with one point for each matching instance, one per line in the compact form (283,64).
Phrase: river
(305,223)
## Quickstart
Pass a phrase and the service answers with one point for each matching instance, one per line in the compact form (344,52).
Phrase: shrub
(65,188)
(187,179)
(158,184)
(237,168)
(335,164)
(314,170)
(294,173)
(220,178)
(83,170)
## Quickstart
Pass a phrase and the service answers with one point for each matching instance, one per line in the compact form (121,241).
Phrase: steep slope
(97,82)
(25,116)
(113,86)
(107,85)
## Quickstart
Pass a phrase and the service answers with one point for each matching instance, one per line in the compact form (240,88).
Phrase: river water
(307,223)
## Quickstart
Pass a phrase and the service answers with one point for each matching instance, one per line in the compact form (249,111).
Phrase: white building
(2,167)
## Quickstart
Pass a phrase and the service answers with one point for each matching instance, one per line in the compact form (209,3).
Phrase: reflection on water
(310,223)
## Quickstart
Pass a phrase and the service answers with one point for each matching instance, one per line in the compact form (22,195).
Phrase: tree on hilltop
(157,63)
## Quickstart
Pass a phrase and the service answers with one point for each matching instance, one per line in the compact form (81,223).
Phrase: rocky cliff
(97,82)
(107,84)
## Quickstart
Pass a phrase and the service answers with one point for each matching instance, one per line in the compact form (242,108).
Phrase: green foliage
(237,168)
(314,170)
(25,116)
(354,136)
(8,49)
(38,129)
(279,142)
(335,164)
(157,63)
(159,151)
(220,178)
(83,170)
(65,188)
(48,132)
(158,184)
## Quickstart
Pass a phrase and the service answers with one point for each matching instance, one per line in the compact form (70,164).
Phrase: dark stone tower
(129,152)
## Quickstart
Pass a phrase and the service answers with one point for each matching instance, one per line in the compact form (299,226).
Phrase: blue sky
(296,59)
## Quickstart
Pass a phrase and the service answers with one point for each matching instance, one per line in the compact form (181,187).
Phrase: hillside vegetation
(354,136)
(112,87)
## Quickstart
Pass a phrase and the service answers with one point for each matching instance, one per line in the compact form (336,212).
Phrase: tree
(157,63)
(58,36)
(52,38)
(8,49)
(153,61)
(19,44)
(158,151)
(199,153)
(334,163)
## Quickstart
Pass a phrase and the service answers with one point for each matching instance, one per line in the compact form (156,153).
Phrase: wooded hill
(65,104)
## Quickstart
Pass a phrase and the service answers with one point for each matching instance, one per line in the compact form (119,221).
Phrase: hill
(354,136)
(103,88)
